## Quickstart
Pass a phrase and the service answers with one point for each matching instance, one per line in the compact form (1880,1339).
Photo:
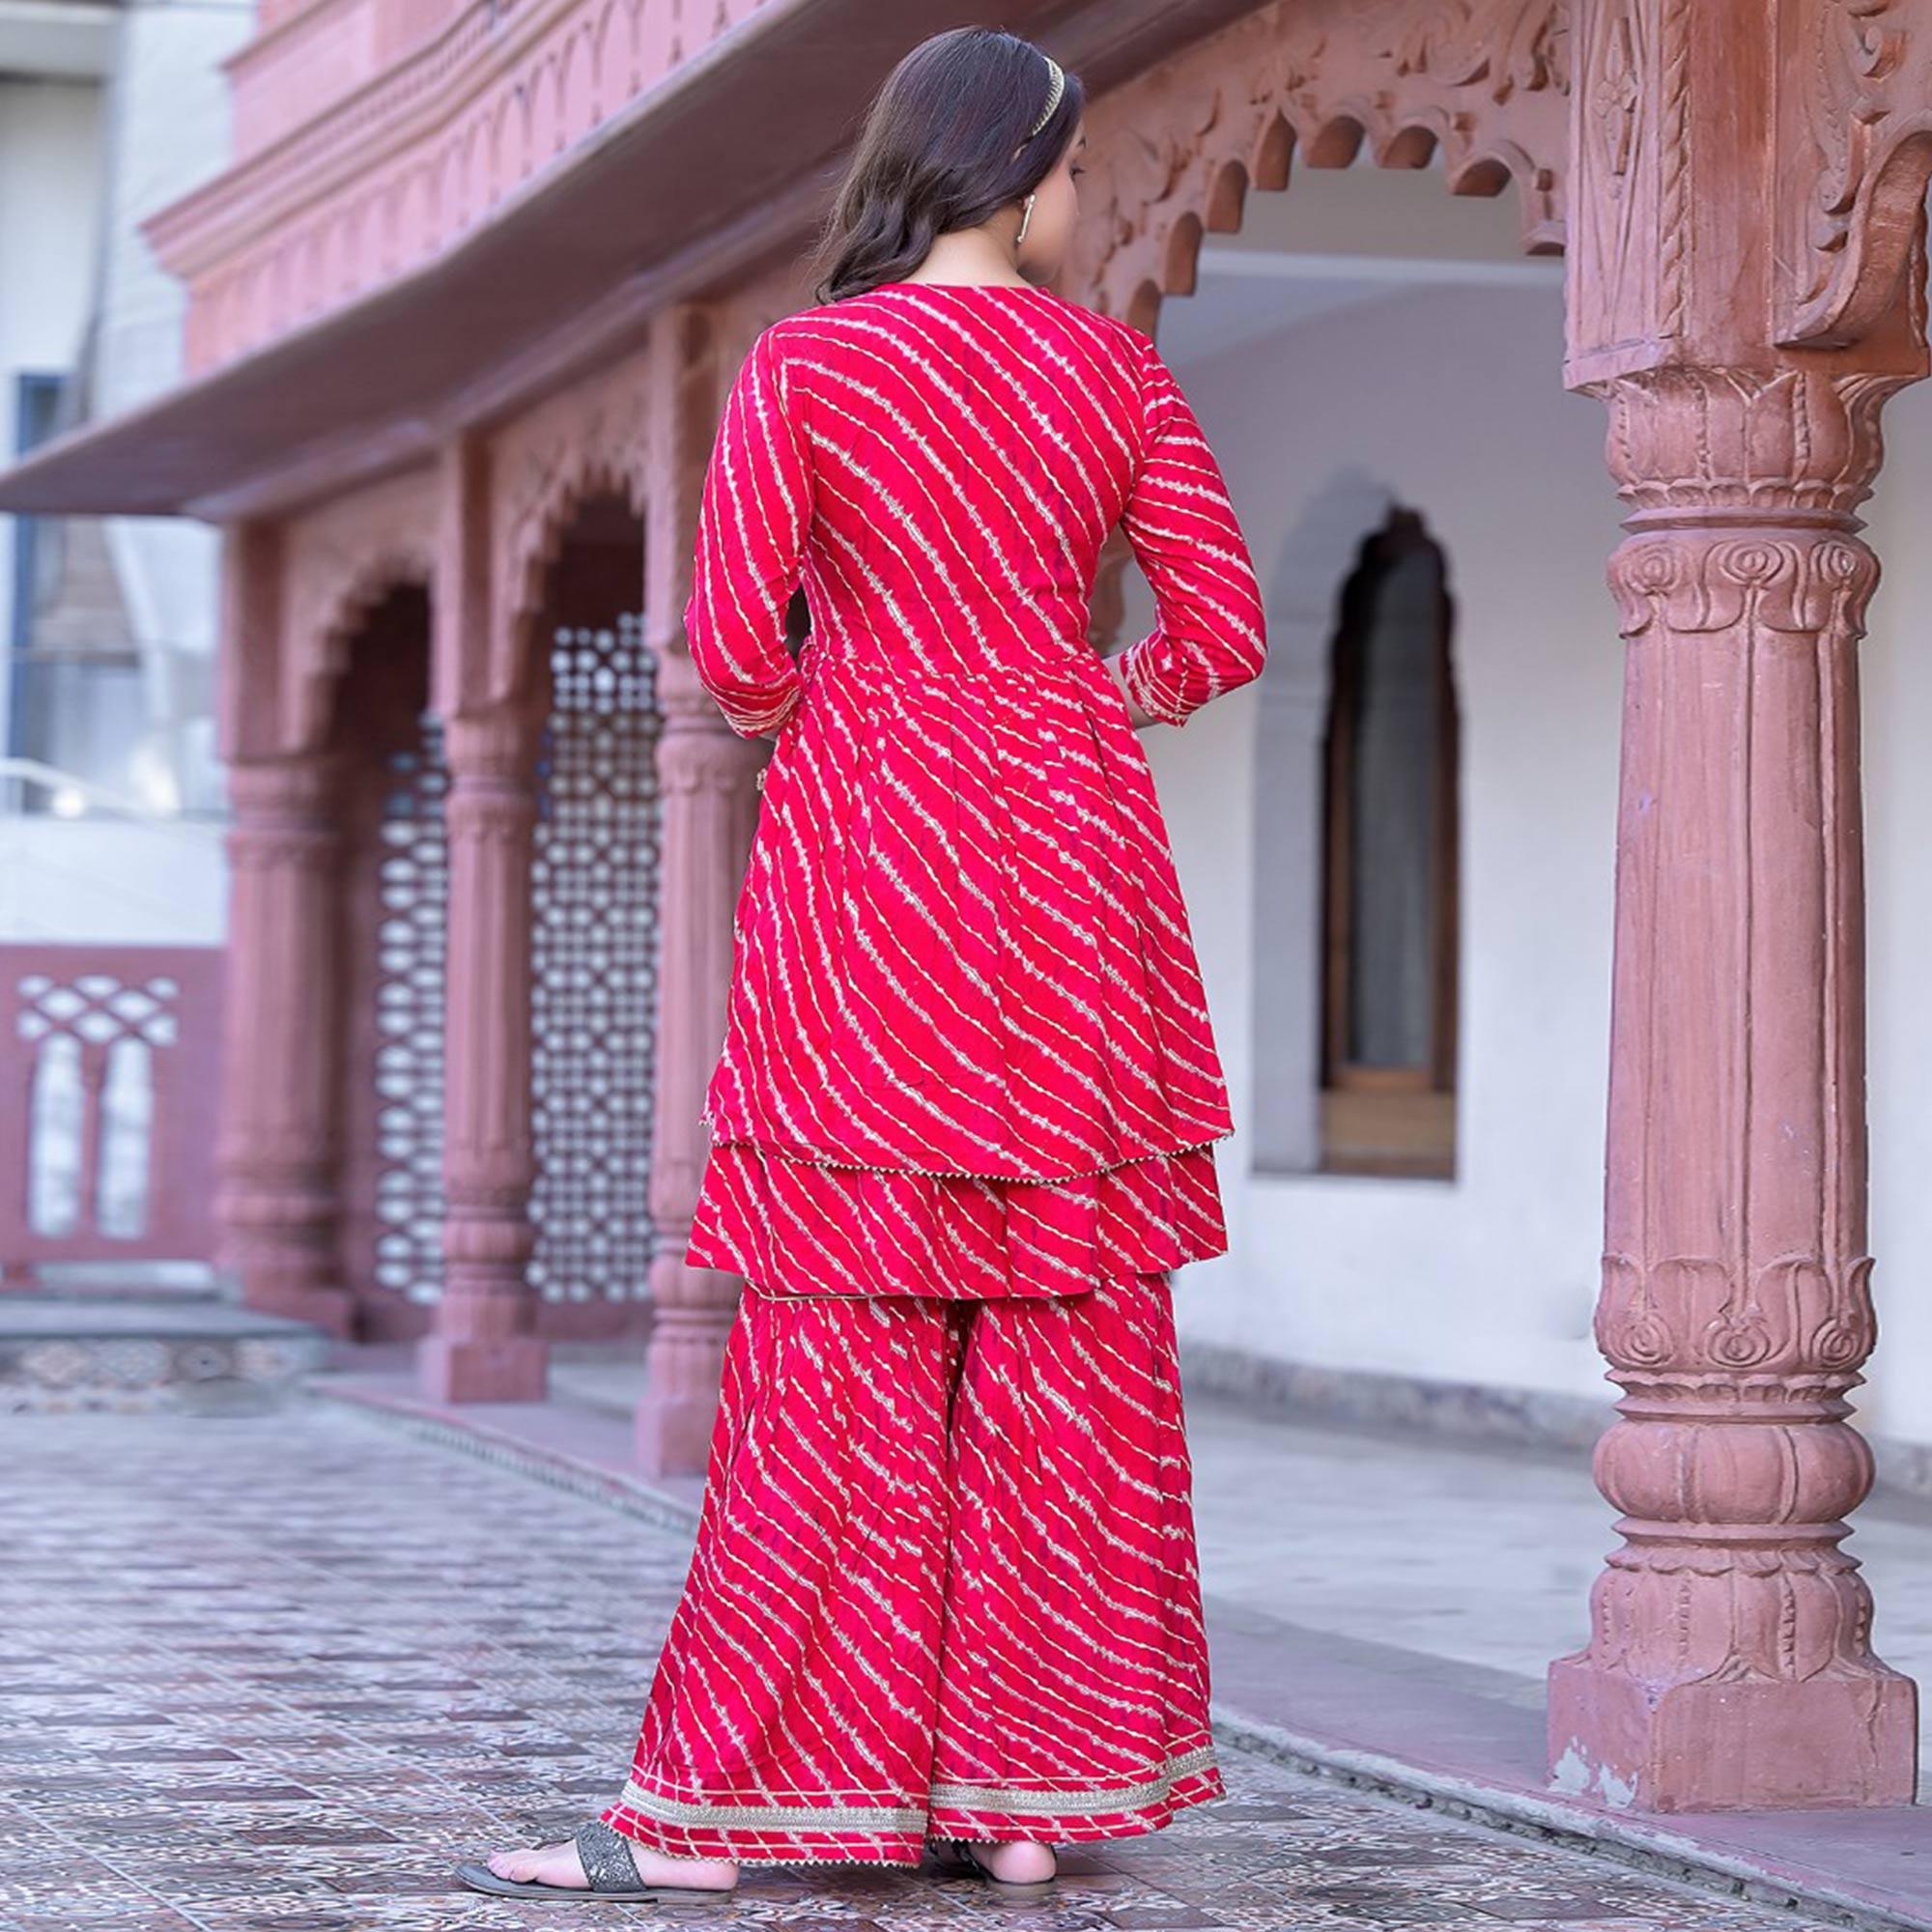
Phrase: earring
(1026,215)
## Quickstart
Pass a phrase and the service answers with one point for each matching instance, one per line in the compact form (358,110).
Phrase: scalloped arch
(326,616)
(1484,85)
(536,539)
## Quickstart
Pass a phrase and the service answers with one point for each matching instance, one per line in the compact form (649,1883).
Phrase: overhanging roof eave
(375,383)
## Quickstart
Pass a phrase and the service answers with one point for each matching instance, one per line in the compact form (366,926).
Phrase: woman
(944,1595)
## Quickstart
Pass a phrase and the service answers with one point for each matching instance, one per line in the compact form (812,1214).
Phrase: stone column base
(1722,1746)
(513,1368)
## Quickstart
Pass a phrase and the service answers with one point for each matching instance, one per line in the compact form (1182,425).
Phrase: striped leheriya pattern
(967,1048)
(945,1581)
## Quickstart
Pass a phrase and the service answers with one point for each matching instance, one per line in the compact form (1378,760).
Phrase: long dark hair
(938,151)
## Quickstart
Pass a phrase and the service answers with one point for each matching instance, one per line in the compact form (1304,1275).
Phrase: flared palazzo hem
(749,1830)
(944,1586)
(792,1225)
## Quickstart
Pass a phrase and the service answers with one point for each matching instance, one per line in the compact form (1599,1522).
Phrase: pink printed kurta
(967,1048)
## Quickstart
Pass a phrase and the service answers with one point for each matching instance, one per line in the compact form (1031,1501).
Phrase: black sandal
(956,1855)
(607,1865)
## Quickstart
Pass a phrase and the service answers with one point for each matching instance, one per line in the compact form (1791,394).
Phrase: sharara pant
(944,1584)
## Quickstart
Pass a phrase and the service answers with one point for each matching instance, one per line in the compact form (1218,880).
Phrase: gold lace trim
(889,1818)
(876,1818)
(954,1173)
(1092,1798)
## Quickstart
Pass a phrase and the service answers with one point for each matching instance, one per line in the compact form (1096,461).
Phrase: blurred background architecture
(114,792)
(111,798)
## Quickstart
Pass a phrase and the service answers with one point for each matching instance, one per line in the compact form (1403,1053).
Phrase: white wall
(1450,399)
(113,882)
(1896,720)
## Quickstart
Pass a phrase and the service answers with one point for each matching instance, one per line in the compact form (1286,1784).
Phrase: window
(75,697)
(1389,918)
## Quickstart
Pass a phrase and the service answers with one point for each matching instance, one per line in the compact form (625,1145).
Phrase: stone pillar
(483,1347)
(279,1149)
(707,779)
(707,782)
(278,1144)
(1729,1663)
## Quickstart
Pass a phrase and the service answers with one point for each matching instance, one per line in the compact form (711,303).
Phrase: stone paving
(1373,1536)
(276,1673)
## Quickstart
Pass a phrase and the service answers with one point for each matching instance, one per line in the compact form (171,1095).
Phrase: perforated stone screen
(412,893)
(594,942)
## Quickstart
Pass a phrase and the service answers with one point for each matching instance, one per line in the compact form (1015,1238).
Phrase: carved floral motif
(1499,44)
(1855,141)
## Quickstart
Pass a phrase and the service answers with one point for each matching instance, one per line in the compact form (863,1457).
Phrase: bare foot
(1019,1862)
(560,1865)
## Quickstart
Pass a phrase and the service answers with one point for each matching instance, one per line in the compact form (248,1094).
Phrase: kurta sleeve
(751,526)
(1211,631)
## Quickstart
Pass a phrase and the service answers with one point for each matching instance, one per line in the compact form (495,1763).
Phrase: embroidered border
(775,1817)
(948,1795)
(1093,1798)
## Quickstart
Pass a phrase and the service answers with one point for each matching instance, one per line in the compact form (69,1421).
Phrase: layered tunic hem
(791,1225)
(966,1049)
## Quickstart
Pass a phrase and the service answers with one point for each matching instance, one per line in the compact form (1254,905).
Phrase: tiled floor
(279,1672)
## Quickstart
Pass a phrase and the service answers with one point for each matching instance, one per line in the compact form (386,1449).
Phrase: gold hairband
(1055,86)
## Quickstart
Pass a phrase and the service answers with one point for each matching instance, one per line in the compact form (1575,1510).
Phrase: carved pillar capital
(490,750)
(1722,445)
(282,812)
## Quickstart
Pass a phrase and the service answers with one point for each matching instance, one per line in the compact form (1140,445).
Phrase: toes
(521,1867)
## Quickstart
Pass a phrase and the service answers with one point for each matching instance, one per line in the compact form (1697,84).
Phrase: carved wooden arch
(341,562)
(1176,151)
(585,441)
